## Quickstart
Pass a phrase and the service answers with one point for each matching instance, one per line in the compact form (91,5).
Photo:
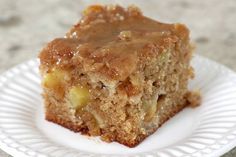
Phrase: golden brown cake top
(111,42)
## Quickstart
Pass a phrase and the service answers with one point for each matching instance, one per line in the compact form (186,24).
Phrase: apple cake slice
(117,74)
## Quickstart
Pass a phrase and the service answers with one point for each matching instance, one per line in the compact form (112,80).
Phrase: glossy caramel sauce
(109,41)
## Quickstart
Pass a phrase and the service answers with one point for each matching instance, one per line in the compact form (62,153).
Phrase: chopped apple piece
(150,110)
(78,96)
(151,106)
(54,78)
(99,120)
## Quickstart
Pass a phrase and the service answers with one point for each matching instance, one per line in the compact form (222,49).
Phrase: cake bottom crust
(84,130)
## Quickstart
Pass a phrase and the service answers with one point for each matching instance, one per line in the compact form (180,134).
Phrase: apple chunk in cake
(117,74)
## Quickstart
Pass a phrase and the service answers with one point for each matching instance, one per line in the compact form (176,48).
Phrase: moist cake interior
(117,74)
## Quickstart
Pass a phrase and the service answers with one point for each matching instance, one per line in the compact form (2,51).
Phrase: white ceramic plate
(209,130)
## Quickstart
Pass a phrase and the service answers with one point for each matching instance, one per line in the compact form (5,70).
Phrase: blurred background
(27,25)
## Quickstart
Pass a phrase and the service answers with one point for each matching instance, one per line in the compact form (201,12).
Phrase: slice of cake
(117,74)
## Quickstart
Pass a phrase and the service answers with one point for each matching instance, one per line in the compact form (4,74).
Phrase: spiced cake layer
(117,74)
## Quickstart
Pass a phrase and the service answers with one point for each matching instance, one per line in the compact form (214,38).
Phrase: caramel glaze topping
(109,41)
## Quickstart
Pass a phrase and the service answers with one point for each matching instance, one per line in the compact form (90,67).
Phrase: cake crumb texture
(117,74)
